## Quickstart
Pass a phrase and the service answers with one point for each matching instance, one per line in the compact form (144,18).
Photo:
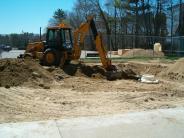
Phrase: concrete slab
(168,123)
(43,129)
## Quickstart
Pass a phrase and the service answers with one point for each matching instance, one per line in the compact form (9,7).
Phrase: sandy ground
(77,96)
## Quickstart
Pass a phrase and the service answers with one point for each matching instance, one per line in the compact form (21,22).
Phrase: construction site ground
(30,92)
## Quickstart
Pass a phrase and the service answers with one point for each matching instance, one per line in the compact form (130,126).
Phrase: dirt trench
(20,72)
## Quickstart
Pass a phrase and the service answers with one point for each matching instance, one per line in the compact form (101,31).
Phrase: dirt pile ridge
(20,72)
(141,69)
(143,53)
(174,71)
(15,72)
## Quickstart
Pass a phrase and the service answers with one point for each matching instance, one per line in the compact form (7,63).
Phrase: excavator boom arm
(79,36)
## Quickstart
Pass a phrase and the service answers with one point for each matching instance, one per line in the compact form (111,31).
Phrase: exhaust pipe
(40,34)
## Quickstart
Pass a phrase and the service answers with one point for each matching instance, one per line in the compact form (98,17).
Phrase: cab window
(51,35)
(66,36)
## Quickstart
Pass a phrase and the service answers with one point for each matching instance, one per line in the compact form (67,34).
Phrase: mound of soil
(141,69)
(20,72)
(142,53)
(98,72)
(15,72)
(174,71)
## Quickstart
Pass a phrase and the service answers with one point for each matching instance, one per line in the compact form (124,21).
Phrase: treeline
(117,18)
(19,41)
(145,17)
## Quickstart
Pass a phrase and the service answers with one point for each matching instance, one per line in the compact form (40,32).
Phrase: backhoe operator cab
(58,45)
(59,38)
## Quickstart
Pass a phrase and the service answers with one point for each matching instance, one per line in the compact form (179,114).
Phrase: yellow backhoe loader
(60,48)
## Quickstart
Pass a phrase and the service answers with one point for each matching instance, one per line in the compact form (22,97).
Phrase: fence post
(171,45)
(1,53)
(153,50)
(133,45)
(110,46)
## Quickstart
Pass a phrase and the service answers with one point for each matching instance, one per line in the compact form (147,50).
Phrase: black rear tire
(67,62)
(55,57)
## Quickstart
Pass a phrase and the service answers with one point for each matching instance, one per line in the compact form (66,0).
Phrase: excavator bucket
(118,73)
(113,75)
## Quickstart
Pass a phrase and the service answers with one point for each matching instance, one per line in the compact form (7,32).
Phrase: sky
(29,15)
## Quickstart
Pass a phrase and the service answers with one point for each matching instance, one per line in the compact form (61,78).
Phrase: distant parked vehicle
(5,48)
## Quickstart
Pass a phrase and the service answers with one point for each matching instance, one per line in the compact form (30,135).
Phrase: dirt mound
(141,69)
(19,72)
(175,71)
(15,72)
(98,72)
(142,53)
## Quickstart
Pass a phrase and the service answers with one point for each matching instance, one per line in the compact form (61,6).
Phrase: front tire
(51,58)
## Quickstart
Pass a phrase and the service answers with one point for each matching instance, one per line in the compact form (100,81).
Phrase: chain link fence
(138,45)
